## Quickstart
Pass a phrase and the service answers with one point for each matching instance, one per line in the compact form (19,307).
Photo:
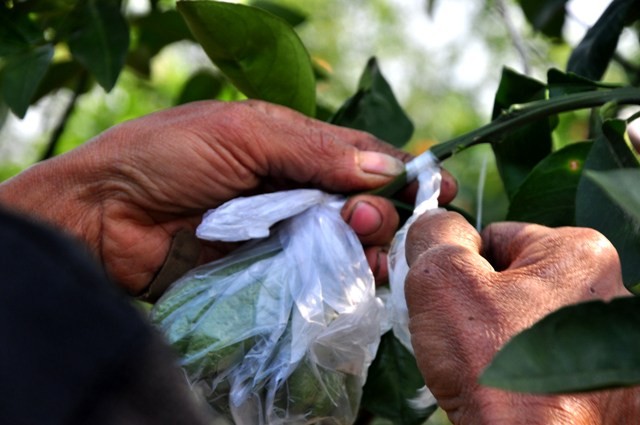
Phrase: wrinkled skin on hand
(468,293)
(128,191)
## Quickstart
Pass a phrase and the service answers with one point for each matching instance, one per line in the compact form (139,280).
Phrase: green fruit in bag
(321,395)
(215,315)
(210,315)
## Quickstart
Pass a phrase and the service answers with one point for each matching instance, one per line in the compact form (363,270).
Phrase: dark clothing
(73,349)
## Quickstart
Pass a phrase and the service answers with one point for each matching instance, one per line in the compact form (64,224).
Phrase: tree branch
(516,37)
(62,124)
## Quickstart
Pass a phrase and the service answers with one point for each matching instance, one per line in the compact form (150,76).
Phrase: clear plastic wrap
(283,330)
(425,169)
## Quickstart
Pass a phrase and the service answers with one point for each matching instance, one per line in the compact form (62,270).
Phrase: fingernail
(365,219)
(380,163)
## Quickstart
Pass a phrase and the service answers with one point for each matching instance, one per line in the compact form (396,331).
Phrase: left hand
(469,293)
(132,188)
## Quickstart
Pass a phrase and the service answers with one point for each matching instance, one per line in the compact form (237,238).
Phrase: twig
(516,37)
(526,113)
(62,124)
(516,116)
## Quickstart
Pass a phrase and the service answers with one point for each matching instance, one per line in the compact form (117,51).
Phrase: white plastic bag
(283,330)
(425,169)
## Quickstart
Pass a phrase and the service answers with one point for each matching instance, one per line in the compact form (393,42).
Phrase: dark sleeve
(73,349)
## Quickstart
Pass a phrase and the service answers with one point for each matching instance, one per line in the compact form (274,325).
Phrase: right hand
(468,294)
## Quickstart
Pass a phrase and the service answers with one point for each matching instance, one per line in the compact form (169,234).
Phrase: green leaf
(4,113)
(17,32)
(47,8)
(375,109)
(594,208)
(259,52)
(548,194)
(101,40)
(582,347)
(21,76)
(202,85)
(293,17)
(155,31)
(519,151)
(159,29)
(591,57)
(561,83)
(393,380)
(622,188)
(324,113)
(52,15)
(58,75)
(545,16)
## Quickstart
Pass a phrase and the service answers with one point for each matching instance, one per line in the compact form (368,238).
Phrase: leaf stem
(516,116)
(525,113)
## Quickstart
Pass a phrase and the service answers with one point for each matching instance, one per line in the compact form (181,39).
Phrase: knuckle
(597,243)
(253,104)
(424,226)
(454,257)
(271,110)
(364,140)
(323,142)
(438,267)
(238,115)
(436,226)
(367,141)
(590,249)
(421,276)
(589,241)
(592,236)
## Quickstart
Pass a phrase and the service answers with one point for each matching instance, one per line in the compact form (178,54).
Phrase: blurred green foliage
(340,36)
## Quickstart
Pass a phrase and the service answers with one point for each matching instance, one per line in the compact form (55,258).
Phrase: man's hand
(132,188)
(468,294)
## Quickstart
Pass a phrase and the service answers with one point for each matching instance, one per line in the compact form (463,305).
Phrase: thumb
(333,158)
